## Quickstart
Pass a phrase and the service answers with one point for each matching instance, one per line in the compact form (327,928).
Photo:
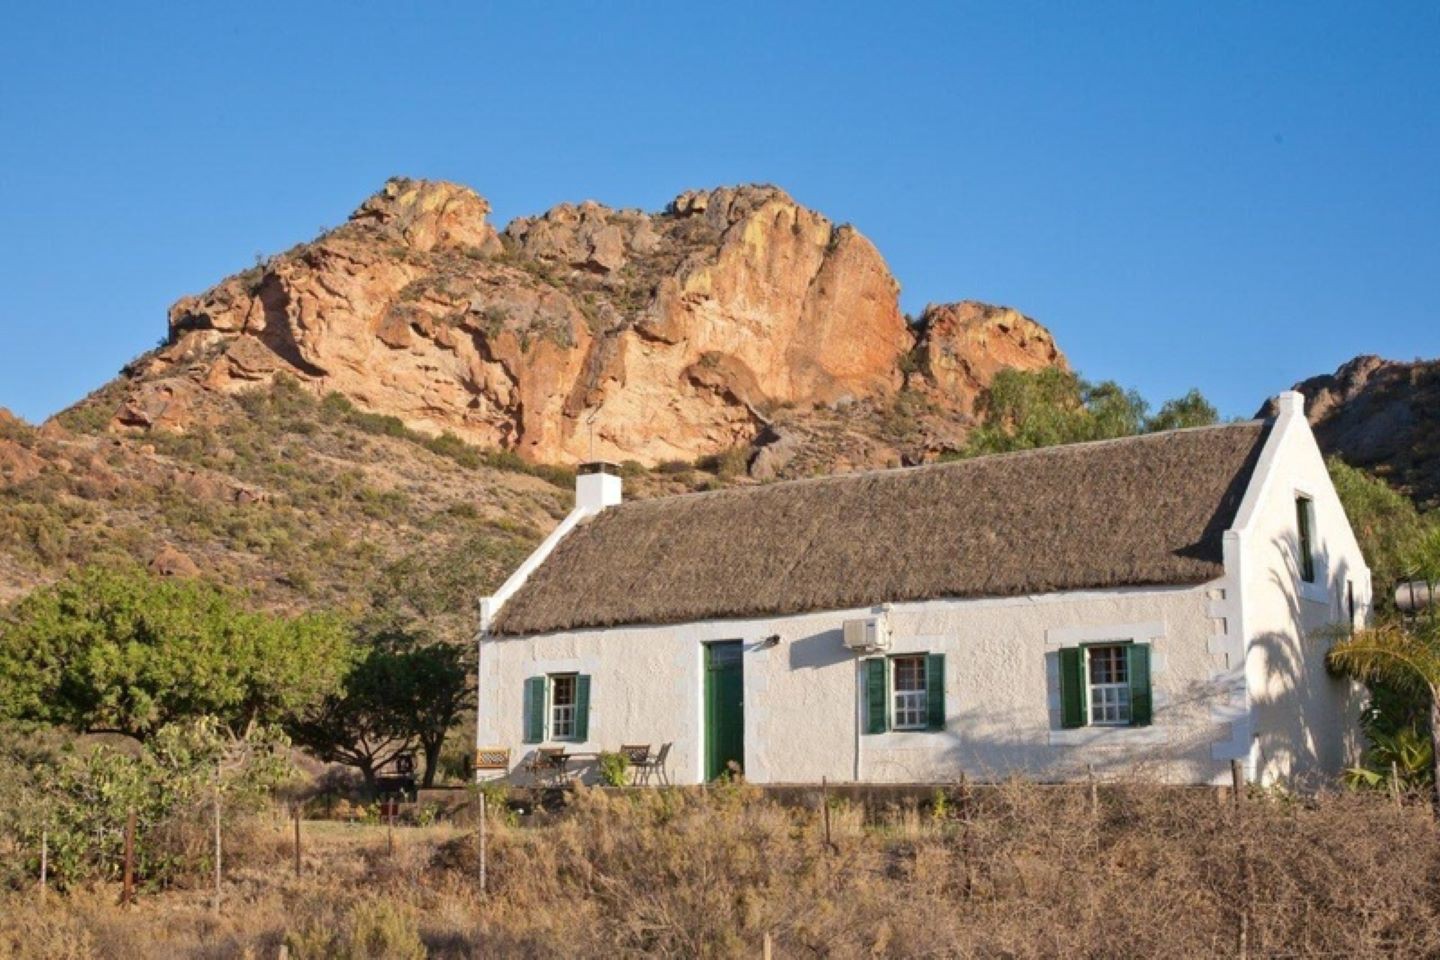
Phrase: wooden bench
(489,760)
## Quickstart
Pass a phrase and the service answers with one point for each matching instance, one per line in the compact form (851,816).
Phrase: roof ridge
(855,475)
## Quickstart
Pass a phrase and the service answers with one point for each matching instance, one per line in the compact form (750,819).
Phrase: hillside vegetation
(301,502)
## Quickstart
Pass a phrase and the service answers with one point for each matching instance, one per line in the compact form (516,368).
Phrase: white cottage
(1159,604)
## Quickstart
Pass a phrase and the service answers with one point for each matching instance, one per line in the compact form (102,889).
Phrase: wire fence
(1245,872)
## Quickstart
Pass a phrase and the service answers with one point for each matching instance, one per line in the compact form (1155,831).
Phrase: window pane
(909,673)
(910,703)
(562,707)
(1109,685)
(1305,521)
(1108,665)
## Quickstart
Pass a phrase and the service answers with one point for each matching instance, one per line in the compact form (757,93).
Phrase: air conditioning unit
(871,633)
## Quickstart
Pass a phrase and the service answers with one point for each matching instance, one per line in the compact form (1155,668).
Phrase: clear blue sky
(1224,195)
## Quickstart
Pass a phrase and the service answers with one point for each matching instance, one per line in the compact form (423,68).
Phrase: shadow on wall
(1307,719)
(990,744)
(1168,755)
(819,650)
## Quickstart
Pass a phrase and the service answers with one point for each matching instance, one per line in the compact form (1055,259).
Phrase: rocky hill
(384,418)
(587,331)
(1383,416)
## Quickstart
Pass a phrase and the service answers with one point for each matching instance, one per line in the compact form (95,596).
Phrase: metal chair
(655,764)
(637,755)
(549,764)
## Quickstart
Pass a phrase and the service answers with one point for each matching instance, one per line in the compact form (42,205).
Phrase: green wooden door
(724,707)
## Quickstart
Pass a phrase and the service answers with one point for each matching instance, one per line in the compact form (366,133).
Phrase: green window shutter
(935,690)
(876,694)
(1138,655)
(582,707)
(534,709)
(1072,687)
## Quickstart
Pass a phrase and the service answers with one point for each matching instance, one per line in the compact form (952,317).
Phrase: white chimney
(597,486)
(1289,405)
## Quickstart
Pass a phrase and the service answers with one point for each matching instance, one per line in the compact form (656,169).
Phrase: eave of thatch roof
(1139,511)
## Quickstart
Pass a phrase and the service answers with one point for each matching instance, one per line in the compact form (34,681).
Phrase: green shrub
(613,768)
(81,796)
(727,464)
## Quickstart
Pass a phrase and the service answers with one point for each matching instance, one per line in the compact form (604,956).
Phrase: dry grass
(1014,871)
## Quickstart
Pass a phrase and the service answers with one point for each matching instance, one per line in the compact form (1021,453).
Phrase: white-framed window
(562,706)
(1108,672)
(910,706)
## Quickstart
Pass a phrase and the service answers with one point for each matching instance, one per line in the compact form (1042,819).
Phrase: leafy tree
(363,725)
(81,795)
(1386,523)
(405,690)
(441,683)
(1191,410)
(1024,409)
(117,649)
(1111,411)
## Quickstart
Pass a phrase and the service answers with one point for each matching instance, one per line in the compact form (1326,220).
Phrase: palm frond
(1391,654)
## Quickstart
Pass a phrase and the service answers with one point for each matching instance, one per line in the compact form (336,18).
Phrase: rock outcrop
(584,332)
(1384,416)
(963,345)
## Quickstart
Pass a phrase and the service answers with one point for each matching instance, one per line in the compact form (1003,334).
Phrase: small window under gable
(1305,536)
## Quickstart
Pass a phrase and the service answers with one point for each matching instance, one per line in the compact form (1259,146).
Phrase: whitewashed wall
(803,695)
(1305,725)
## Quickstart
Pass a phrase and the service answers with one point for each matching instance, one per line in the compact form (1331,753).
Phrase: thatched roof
(1145,510)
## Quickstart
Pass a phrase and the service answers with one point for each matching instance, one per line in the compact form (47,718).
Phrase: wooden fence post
(1395,784)
(767,948)
(390,829)
(127,888)
(217,846)
(825,807)
(1247,868)
(297,839)
(965,847)
(1094,790)
(44,860)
